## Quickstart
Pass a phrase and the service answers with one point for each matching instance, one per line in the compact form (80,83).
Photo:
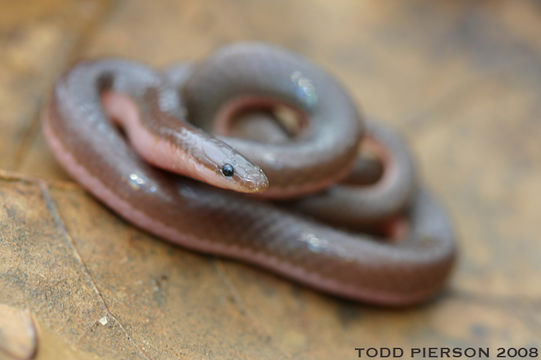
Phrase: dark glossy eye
(228,170)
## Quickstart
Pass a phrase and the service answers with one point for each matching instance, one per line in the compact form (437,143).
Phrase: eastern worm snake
(166,119)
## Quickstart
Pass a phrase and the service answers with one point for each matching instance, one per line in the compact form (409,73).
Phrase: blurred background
(460,79)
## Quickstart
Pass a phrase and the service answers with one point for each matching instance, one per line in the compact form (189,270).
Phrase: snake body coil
(167,118)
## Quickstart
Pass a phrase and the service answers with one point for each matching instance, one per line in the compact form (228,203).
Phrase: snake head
(218,164)
(185,150)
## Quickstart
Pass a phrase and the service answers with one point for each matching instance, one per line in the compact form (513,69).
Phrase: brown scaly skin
(224,223)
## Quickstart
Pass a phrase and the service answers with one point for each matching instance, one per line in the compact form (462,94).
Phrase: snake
(160,149)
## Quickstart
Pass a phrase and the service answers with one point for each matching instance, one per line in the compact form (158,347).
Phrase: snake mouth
(240,179)
(255,182)
(218,164)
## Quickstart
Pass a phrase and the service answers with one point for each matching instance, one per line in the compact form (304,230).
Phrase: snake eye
(228,170)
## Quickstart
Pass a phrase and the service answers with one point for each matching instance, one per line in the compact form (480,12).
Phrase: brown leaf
(18,338)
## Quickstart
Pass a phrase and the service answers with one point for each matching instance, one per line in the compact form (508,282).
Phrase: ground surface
(461,80)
